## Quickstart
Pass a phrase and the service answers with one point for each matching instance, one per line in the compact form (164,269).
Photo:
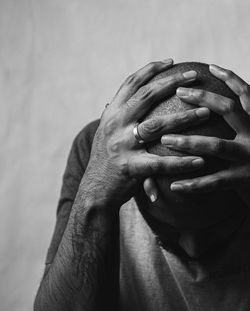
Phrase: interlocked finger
(145,165)
(155,91)
(154,128)
(218,181)
(229,109)
(235,83)
(139,78)
(205,145)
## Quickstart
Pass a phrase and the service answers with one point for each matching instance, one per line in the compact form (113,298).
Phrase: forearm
(84,274)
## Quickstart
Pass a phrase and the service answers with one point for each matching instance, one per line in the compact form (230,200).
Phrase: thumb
(150,189)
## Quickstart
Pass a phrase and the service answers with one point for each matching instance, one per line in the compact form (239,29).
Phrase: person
(131,233)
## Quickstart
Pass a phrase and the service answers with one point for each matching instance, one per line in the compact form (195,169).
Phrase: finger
(234,82)
(146,165)
(150,189)
(205,145)
(230,110)
(152,129)
(139,78)
(221,180)
(155,91)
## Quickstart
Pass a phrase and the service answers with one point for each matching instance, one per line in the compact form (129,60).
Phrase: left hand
(237,151)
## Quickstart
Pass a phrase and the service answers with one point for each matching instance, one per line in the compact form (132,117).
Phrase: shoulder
(86,135)
(82,143)
(78,159)
(76,164)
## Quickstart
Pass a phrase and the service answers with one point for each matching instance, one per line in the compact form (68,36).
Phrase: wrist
(98,192)
(94,207)
(89,217)
(92,203)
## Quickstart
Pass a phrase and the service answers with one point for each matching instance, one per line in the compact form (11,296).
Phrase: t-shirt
(151,277)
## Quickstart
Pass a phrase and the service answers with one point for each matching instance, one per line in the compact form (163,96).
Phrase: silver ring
(137,135)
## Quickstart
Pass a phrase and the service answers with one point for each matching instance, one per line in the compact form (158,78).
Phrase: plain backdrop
(60,62)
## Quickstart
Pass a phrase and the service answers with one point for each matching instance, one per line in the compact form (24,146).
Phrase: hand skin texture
(84,272)
(237,151)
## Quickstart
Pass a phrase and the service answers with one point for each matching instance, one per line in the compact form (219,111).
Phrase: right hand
(118,162)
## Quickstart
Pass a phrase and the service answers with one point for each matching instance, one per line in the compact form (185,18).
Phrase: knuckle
(151,126)
(184,142)
(125,168)
(110,127)
(229,73)
(132,80)
(191,186)
(184,117)
(146,92)
(194,185)
(218,146)
(175,79)
(185,164)
(115,147)
(230,106)
(197,145)
(153,66)
(245,89)
(181,164)
(154,166)
(199,94)
(131,102)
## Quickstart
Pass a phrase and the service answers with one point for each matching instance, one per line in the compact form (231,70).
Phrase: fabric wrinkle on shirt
(152,278)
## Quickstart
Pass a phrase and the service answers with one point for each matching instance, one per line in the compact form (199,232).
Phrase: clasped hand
(237,151)
(117,160)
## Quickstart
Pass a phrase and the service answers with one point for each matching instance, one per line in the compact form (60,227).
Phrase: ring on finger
(137,135)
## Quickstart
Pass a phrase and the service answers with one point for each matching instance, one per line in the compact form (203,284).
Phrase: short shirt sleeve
(75,168)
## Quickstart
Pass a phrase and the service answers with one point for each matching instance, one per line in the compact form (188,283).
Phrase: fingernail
(213,67)
(176,187)
(203,113)
(182,91)
(198,162)
(153,197)
(190,74)
(216,70)
(168,61)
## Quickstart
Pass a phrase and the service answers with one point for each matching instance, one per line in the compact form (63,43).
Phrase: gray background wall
(60,62)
